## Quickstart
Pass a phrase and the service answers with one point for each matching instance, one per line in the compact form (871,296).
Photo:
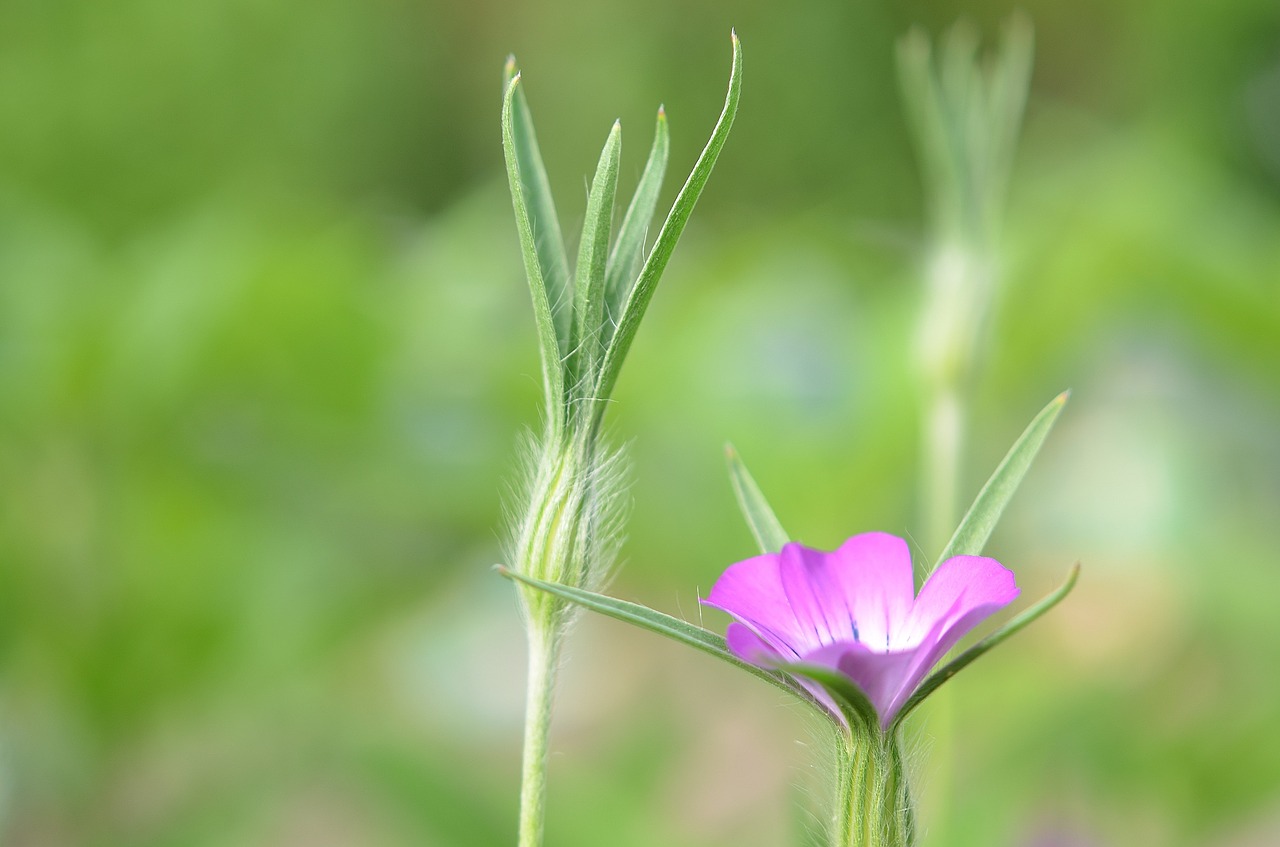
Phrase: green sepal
(628,249)
(589,276)
(756,510)
(976,526)
(858,712)
(666,625)
(958,664)
(642,292)
(541,244)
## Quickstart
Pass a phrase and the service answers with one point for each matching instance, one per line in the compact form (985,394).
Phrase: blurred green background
(266,351)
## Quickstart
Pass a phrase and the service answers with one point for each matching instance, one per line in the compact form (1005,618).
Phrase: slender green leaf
(593,254)
(976,527)
(548,241)
(540,240)
(628,249)
(764,525)
(655,621)
(547,238)
(857,709)
(642,292)
(959,662)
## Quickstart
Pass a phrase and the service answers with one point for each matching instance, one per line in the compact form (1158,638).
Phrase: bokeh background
(266,352)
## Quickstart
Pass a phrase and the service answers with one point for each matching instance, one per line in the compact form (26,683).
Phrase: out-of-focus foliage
(265,350)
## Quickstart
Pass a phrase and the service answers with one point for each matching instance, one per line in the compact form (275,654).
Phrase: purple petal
(855,611)
(752,592)
(874,574)
(918,664)
(749,647)
(960,593)
(814,594)
(878,674)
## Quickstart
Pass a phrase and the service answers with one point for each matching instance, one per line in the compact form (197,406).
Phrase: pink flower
(855,611)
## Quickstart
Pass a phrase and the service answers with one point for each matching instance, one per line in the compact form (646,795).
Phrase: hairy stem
(873,800)
(544,656)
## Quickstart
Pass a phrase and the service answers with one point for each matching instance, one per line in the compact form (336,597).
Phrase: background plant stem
(944,434)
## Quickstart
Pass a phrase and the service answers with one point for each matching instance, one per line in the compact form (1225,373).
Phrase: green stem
(873,800)
(902,817)
(848,811)
(544,656)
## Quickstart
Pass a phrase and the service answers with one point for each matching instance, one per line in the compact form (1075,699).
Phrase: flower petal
(921,662)
(749,647)
(874,573)
(854,610)
(878,674)
(752,592)
(960,593)
(817,601)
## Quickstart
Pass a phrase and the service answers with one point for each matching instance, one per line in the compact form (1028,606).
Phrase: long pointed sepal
(960,662)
